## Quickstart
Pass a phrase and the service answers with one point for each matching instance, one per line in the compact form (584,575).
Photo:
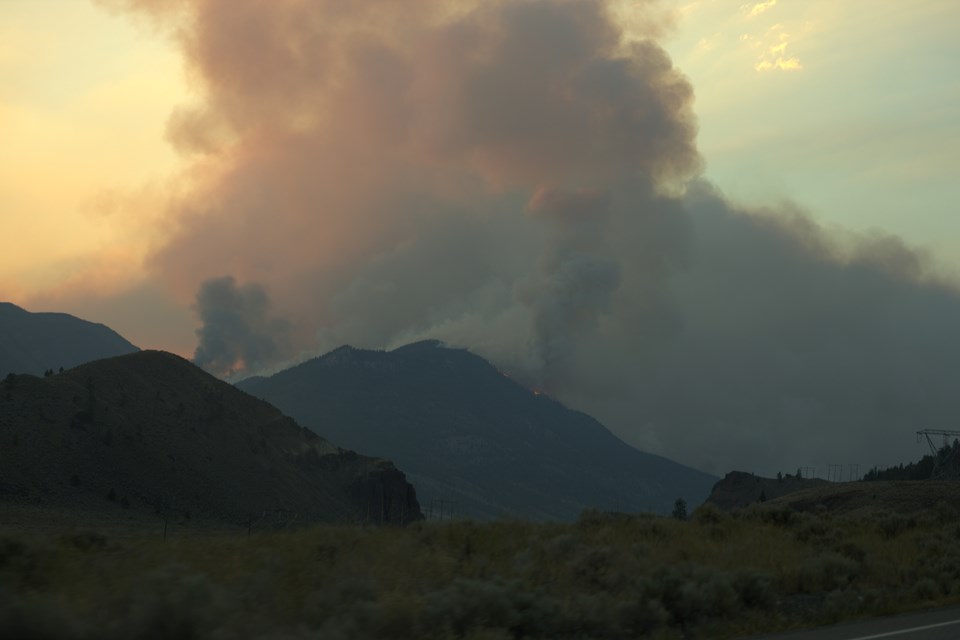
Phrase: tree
(779,476)
(763,495)
(799,475)
(680,509)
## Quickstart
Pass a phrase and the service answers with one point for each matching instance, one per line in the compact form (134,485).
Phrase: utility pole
(834,472)
(853,472)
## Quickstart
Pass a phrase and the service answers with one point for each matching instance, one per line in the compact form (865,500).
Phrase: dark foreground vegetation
(605,576)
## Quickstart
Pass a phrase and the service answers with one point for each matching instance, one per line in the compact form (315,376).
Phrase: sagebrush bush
(827,572)
(468,605)
(709,513)
(37,618)
(166,605)
(891,525)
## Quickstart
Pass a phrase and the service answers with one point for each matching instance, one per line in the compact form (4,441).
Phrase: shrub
(468,605)
(593,566)
(827,572)
(813,529)
(841,603)
(690,593)
(926,589)
(780,516)
(169,604)
(34,618)
(708,513)
(891,525)
(85,540)
(561,547)
(12,550)
(755,589)
(22,565)
(946,513)
(641,616)
(853,551)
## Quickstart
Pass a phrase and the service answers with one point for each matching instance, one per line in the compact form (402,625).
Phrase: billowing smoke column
(516,177)
(238,334)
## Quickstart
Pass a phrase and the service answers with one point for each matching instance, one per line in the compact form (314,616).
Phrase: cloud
(758,8)
(774,56)
(520,178)
(783,64)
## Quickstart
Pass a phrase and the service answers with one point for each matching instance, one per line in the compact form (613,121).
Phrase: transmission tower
(947,467)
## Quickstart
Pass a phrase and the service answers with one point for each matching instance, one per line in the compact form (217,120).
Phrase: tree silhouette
(680,509)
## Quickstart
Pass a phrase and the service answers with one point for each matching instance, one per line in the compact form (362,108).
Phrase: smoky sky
(517,177)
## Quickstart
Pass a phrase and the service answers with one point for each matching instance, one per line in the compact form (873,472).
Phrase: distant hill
(150,430)
(35,342)
(468,435)
(866,499)
(739,489)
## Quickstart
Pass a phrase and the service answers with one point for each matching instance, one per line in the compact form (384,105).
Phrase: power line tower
(853,472)
(944,467)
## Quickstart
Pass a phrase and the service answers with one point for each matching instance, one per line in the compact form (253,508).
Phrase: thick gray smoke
(238,332)
(575,283)
(515,177)
(795,348)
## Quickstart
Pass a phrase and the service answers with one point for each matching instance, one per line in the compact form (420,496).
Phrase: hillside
(35,342)
(739,489)
(151,431)
(468,435)
(867,499)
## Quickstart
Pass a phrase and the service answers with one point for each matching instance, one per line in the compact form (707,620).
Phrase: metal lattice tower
(947,467)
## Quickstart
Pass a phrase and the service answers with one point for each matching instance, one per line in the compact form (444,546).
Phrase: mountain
(150,430)
(35,342)
(471,437)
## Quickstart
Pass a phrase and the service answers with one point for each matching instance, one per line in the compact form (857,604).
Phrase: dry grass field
(607,575)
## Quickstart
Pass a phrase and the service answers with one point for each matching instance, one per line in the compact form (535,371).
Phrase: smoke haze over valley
(522,178)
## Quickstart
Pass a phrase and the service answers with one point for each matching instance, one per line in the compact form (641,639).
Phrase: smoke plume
(238,334)
(518,177)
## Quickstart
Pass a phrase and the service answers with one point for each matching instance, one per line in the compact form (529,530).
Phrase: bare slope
(36,342)
(466,433)
(150,430)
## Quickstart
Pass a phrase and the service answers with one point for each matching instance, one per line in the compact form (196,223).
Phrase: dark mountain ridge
(151,430)
(35,342)
(467,434)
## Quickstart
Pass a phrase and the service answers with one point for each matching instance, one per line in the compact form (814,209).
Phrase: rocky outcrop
(739,489)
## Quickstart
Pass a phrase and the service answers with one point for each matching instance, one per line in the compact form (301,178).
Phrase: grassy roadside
(605,576)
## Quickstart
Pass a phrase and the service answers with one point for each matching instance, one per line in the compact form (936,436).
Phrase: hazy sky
(529,178)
